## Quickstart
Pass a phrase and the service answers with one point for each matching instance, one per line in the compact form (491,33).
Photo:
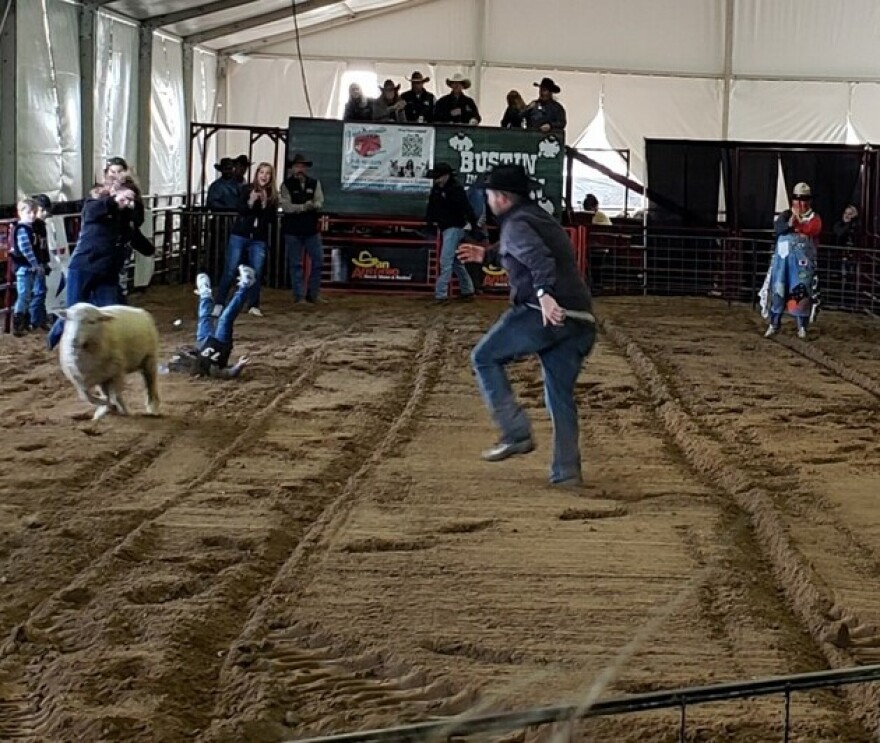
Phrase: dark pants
(85,286)
(561,350)
(297,249)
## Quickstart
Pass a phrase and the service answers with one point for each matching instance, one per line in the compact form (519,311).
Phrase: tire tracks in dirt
(806,592)
(274,661)
(26,709)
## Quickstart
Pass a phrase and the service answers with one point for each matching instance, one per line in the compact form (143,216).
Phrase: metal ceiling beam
(145,105)
(88,19)
(168,19)
(256,21)
(324,26)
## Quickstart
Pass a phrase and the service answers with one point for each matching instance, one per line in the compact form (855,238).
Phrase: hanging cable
(299,54)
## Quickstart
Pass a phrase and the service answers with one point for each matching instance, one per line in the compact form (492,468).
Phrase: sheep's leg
(87,395)
(114,395)
(150,373)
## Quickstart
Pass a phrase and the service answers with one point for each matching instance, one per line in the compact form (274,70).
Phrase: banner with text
(377,157)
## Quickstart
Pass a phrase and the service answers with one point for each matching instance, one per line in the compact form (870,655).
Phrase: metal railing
(674,699)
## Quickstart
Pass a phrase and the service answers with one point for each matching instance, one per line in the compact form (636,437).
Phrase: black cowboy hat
(548,84)
(389,85)
(243,160)
(225,162)
(417,77)
(439,170)
(300,158)
(510,178)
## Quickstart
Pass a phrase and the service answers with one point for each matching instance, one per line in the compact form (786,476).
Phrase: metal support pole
(729,20)
(9,109)
(188,112)
(88,19)
(145,105)
(682,731)
(479,48)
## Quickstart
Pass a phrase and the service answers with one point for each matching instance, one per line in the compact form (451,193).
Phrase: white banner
(376,157)
(59,252)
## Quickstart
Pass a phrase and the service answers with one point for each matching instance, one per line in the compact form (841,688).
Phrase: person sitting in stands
(389,105)
(358,107)
(546,114)
(224,193)
(419,102)
(591,207)
(456,107)
(514,114)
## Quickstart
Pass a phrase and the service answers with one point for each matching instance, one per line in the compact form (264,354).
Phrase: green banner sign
(470,150)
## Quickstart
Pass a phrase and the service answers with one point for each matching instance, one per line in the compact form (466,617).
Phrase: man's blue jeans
(452,237)
(30,287)
(222,330)
(562,349)
(85,286)
(236,250)
(297,247)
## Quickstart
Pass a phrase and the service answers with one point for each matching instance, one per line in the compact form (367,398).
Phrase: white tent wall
(636,35)
(49,156)
(865,111)
(637,107)
(806,39)
(777,111)
(267,92)
(168,137)
(116,101)
(205,110)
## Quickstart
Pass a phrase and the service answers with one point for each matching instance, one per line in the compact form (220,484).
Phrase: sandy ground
(318,548)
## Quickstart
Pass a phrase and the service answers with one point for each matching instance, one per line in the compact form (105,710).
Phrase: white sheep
(101,345)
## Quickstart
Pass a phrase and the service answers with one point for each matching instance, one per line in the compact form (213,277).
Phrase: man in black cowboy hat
(546,114)
(419,102)
(450,210)
(225,192)
(242,163)
(301,201)
(551,316)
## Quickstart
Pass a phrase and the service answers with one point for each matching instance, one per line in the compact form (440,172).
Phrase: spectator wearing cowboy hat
(358,107)
(301,201)
(389,105)
(545,114)
(450,210)
(224,194)
(551,316)
(456,107)
(242,163)
(419,102)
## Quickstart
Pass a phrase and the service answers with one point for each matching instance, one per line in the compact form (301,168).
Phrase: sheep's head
(83,325)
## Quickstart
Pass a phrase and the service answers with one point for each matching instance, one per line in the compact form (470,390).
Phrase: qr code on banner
(412,145)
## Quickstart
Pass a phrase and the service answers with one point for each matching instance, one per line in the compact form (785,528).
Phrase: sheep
(100,346)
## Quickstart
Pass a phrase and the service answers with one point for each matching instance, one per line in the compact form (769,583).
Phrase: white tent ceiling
(783,70)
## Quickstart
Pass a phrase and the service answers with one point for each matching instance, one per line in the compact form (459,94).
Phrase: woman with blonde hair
(515,113)
(249,235)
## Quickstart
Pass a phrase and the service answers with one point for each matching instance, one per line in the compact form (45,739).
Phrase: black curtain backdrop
(753,175)
(683,182)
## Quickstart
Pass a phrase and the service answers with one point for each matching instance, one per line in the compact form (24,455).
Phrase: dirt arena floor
(318,547)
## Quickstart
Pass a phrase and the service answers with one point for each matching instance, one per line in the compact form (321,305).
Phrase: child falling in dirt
(210,356)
